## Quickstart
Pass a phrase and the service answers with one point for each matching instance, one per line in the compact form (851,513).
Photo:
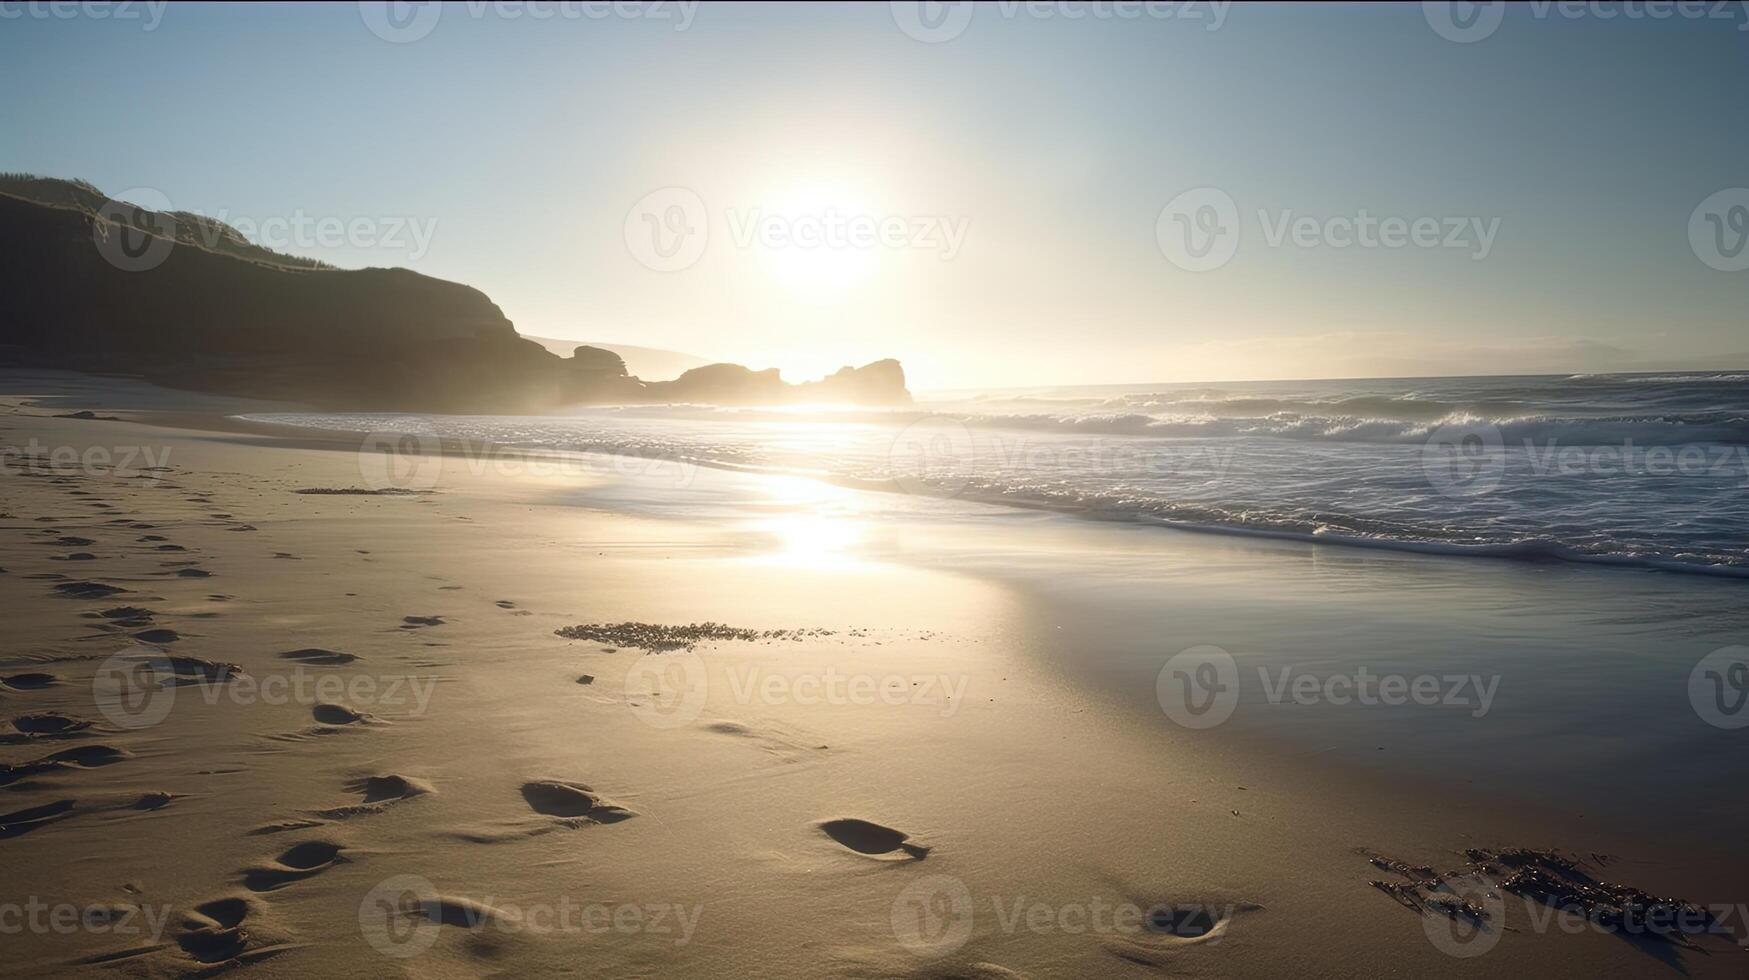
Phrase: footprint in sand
(339,714)
(380,792)
(872,839)
(572,801)
(33,681)
(296,863)
(158,636)
(88,590)
(126,617)
(20,822)
(1170,926)
(213,933)
(784,744)
(51,724)
(420,622)
(174,671)
(319,657)
(83,757)
(570,805)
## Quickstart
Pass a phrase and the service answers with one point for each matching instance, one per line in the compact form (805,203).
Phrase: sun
(818,243)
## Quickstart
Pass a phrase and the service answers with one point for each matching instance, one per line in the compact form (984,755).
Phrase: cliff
(186,302)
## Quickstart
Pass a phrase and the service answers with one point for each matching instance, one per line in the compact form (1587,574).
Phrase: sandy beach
(352,734)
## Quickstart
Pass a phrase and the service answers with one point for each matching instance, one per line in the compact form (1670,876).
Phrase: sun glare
(812,241)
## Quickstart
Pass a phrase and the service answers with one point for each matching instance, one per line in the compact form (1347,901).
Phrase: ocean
(1646,470)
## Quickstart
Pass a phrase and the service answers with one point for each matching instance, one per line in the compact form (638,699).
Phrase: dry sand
(318,734)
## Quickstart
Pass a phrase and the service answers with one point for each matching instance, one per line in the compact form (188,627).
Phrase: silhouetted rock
(217,313)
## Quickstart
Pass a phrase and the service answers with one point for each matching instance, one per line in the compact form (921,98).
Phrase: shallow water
(1647,470)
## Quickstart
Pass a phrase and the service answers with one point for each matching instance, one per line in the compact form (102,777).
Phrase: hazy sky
(1007,181)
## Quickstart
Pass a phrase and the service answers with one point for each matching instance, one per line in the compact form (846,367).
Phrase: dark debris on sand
(1549,877)
(660,638)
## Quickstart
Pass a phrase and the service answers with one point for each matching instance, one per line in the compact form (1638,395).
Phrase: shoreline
(1126,804)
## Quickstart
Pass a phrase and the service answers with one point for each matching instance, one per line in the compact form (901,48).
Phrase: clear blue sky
(523,143)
